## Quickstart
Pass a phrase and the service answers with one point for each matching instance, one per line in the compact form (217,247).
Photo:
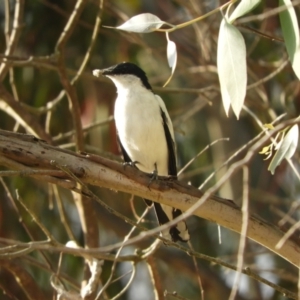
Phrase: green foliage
(290,30)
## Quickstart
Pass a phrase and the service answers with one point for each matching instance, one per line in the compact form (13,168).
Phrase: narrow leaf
(232,68)
(292,138)
(286,149)
(142,23)
(243,8)
(171,56)
(290,30)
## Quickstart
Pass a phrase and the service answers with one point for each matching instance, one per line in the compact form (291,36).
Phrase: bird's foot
(154,176)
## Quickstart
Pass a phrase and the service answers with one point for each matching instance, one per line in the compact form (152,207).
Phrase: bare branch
(32,152)
(14,109)
(23,279)
(14,36)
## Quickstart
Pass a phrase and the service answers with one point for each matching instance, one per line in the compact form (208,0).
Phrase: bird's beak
(97,72)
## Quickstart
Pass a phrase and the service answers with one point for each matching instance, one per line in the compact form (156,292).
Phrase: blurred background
(34,76)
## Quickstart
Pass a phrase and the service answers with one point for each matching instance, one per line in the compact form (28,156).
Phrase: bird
(145,133)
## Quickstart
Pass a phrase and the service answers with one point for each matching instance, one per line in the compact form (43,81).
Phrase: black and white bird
(146,134)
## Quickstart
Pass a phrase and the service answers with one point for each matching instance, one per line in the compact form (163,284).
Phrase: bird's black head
(127,68)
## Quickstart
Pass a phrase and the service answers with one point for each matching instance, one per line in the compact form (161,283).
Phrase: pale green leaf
(286,149)
(290,30)
(142,23)
(232,68)
(171,53)
(171,56)
(243,8)
(292,138)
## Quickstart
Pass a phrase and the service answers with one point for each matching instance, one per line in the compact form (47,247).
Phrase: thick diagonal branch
(28,151)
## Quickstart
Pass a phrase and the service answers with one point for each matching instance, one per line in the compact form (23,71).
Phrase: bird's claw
(154,176)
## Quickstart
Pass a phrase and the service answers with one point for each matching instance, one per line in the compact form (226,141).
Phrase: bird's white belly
(140,127)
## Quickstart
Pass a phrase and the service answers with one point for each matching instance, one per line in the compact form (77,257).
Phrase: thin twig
(269,76)
(70,91)
(270,13)
(17,112)
(113,268)
(158,290)
(14,35)
(244,229)
(62,213)
(91,45)
(201,152)
(287,235)
(101,253)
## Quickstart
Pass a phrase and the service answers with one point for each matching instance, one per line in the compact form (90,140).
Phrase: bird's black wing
(126,157)
(174,231)
(171,146)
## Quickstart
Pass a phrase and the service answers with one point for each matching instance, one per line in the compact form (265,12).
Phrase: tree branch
(33,153)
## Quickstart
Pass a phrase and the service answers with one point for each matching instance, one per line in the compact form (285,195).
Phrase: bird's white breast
(140,127)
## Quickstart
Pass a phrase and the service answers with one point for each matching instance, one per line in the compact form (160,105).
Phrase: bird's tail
(165,214)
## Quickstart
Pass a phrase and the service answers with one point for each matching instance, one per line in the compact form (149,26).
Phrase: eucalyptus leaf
(171,56)
(171,53)
(142,23)
(290,30)
(243,8)
(232,68)
(286,148)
